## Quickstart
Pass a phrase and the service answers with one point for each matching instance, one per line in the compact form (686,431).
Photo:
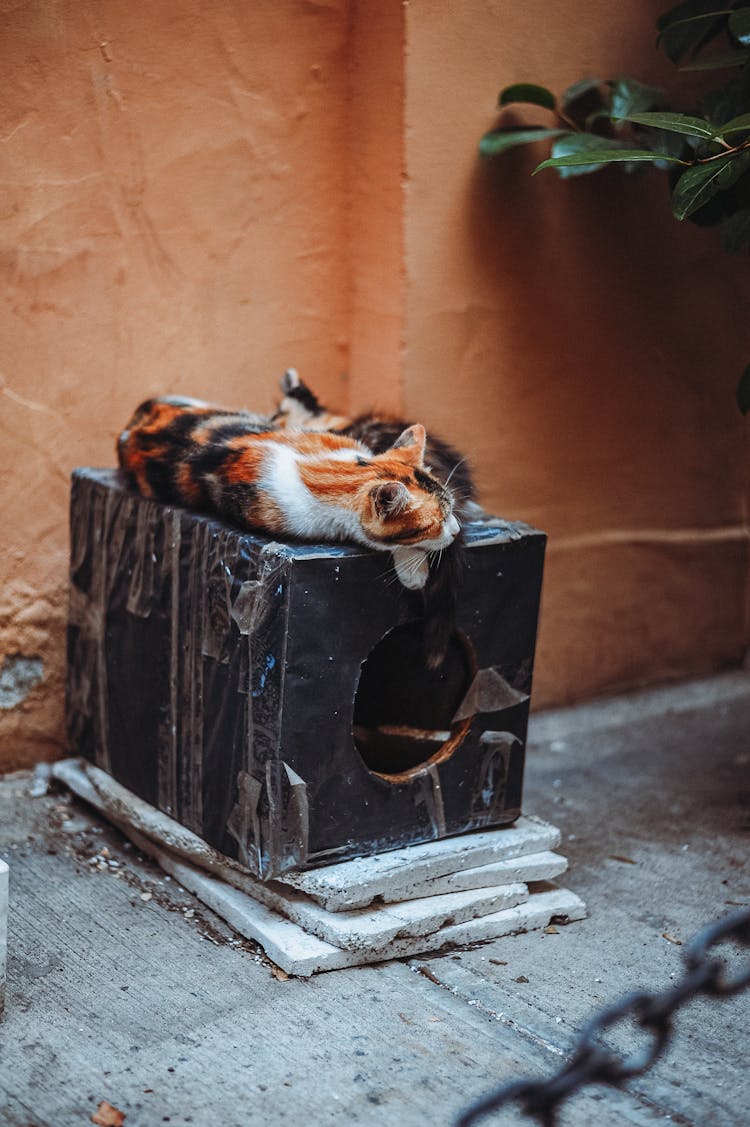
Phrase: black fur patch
(429,484)
(307,398)
(178,432)
(236,429)
(159,478)
(210,458)
(237,502)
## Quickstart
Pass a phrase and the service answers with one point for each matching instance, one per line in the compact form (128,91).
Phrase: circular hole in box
(403,711)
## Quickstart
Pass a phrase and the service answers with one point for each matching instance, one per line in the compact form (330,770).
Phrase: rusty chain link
(594,1063)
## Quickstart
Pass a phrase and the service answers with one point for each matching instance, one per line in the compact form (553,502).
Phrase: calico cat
(311,485)
(301,409)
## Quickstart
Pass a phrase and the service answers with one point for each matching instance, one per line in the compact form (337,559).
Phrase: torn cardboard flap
(254,597)
(488,692)
(270,821)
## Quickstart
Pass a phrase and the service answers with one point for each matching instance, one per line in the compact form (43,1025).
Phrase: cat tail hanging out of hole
(300,408)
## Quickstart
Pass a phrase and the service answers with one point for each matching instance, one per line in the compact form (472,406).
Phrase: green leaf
(724,60)
(739,25)
(726,102)
(674,123)
(687,28)
(736,125)
(630,96)
(743,391)
(528,94)
(577,143)
(685,10)
(592,118)
(579,90)
(664,143)
(736,231)
(500,140)
(700,183)
(593,161)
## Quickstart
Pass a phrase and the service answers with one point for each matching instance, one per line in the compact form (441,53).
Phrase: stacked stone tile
(408,901)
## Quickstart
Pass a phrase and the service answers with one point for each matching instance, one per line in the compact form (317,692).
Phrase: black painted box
(272,697)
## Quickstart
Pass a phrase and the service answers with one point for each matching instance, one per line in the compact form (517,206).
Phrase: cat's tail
(441,593)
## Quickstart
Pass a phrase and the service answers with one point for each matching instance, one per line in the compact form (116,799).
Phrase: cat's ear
(412,442)
(299,403)
(289,381)
(390,498)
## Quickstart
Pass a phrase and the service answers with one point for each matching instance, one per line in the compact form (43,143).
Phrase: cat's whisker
(390,576)
(459,463)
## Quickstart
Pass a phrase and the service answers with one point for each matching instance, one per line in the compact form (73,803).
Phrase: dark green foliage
(743,391)
(737,231)
(705,149)
(623,121)
(702,182)
(573,160)
(531,95)
(686,29)
(501,139)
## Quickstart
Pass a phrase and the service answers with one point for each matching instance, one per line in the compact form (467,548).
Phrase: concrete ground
(122,988)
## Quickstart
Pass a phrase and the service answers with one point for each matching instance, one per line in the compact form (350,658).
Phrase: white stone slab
(394,875)
(377,927)
(457,913)
(121,806)
(372,929)
(3,931)
(535,867)
(402,874)
(299,953)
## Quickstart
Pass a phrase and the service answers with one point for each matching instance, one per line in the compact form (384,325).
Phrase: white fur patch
(412,567)
(182,401)
(305,515)
(345,454)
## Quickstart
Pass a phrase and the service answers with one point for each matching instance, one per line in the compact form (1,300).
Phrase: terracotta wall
(584,346)
(174,217)
(194,196)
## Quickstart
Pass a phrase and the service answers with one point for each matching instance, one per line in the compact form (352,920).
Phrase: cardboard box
(273,698)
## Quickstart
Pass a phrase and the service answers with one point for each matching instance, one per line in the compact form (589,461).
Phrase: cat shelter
(273,698)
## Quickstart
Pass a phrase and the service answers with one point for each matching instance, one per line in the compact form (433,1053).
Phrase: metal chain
(594,1063)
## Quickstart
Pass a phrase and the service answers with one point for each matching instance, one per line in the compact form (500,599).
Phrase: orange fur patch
(189,488)
(247,465)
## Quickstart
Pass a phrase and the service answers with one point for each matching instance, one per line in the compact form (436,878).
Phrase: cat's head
(301,409)
(400,503)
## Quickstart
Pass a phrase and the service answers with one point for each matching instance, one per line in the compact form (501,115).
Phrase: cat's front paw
(412,567)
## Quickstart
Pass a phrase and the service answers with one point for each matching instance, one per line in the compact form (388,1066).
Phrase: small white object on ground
(3,931)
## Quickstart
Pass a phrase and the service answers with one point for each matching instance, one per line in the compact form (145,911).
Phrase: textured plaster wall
(376,204)
(583,345)
(172,217)
(194,196)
